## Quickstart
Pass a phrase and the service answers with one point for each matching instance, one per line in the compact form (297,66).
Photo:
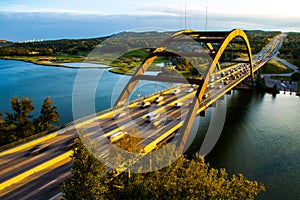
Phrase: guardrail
(27,139)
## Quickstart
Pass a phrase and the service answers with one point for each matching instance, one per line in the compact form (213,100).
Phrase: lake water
(19,78)
(260,139)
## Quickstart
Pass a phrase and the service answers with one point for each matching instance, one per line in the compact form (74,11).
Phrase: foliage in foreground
(183,179)
(20,124)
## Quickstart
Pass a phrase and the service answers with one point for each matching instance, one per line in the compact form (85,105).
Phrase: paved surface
(293,67)
(282,85)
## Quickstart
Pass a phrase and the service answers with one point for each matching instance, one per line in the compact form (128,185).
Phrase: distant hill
(82,47)
(5,43)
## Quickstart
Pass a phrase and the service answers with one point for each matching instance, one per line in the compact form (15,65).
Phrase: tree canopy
(183,179)
(20,123)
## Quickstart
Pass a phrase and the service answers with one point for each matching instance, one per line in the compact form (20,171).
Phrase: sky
(53,19)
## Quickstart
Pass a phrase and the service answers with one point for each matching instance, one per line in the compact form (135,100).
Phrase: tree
(19,121)
(186,179)
(87,181)
(183,179)
(48,116)
(260,84)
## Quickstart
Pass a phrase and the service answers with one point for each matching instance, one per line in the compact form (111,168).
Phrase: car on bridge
(36,149)
(158,99)
(151,117)
(177,91)
(117,136)
(189,90)
(206,95)
(178,104)
(145,104)
(119,115)
(157,123)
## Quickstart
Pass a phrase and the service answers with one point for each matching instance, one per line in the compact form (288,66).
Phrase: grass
(46,60)
(284,78)
(122,70)
(275,67)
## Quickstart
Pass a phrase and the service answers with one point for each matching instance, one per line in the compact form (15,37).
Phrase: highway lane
(100,126)
(40,186)
(18,163)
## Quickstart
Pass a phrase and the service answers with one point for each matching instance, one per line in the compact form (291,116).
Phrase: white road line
(57,195)
(47,184)
(2,163)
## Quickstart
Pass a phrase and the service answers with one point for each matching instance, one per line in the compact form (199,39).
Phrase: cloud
(54,25)
(18,9)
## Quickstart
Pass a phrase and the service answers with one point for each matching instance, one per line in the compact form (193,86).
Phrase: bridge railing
(27,139)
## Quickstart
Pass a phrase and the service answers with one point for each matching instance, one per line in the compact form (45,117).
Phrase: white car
(189,90)
(151,116)
(145,104)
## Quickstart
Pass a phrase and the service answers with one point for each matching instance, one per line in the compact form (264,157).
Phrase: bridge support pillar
(203,113)
(252,81)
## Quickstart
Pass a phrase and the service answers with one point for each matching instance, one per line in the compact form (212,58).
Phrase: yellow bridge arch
(223,39)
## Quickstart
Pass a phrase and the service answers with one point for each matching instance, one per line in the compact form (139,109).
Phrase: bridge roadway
(99,129)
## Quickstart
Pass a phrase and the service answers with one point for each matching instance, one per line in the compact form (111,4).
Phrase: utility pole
(206,19)
(185,16)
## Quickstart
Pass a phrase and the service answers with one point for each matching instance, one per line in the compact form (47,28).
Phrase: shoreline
(59,64)
(64,65)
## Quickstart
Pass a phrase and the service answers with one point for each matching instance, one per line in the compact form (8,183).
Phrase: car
(211,86)
(36,149)
(117,136)
(178,104)
(206,95)
(158,99)
(219,86)
(177,91)
(189,90)
(145,104)
(151,117)
(157,123)
(119,115)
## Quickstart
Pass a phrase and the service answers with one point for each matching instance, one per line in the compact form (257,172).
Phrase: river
(260,139)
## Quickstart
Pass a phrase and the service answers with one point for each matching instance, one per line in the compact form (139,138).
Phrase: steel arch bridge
(215,42)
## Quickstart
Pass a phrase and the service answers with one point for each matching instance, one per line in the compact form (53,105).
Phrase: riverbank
(61,61)
(46,60)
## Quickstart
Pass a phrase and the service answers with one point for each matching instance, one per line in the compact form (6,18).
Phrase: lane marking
(53,181)
(54,197)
